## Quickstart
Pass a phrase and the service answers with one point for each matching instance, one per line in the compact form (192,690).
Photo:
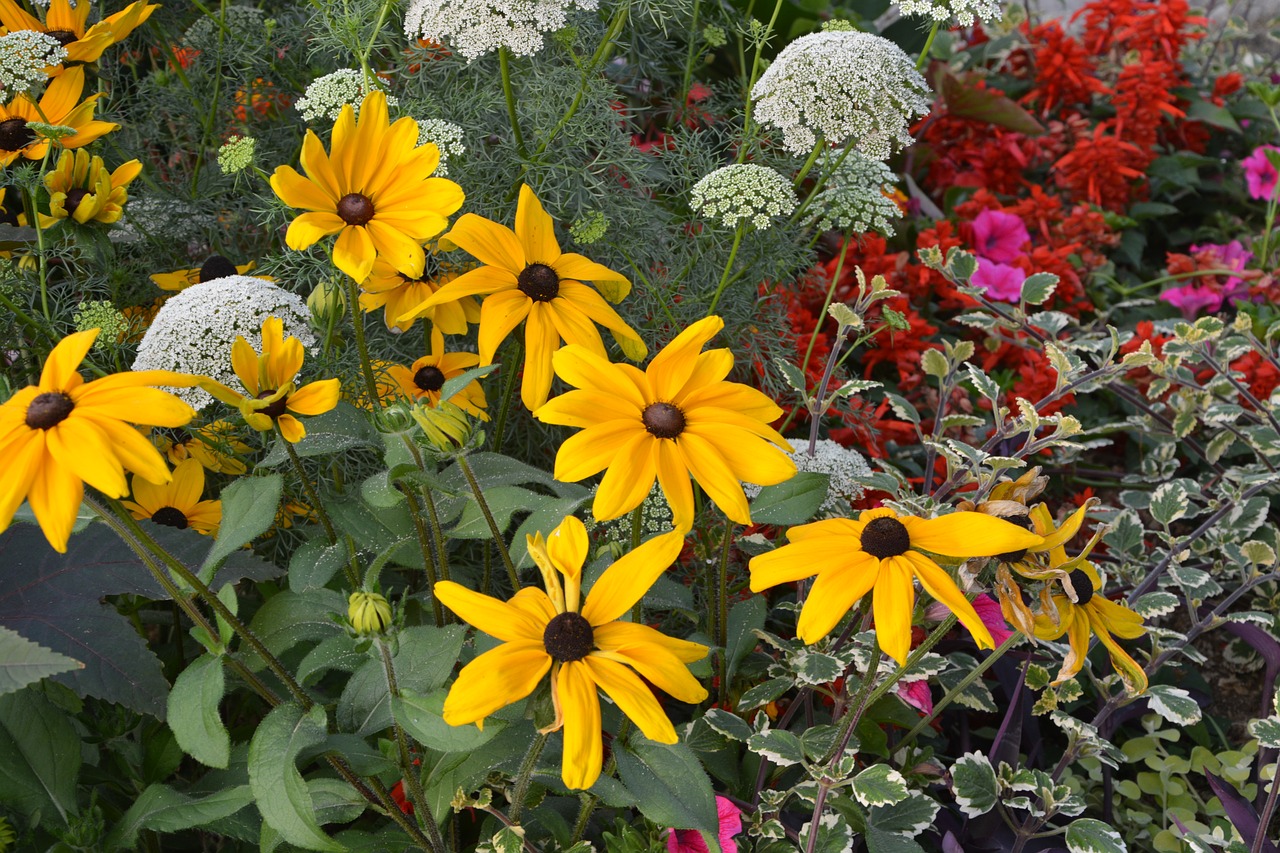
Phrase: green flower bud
(327,303)
(368,612)
(447,427)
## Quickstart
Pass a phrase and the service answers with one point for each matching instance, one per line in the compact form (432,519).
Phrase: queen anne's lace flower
(327,95)
(742,193)
(476,27)
(964,11)
(195,328)
(844,86)
(100,314)
(242,24)
(855,198)
(236,154)
(24,55)
(846,467)
(446,136)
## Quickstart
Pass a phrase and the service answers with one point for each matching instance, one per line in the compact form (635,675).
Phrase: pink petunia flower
(1209,295)
(690,840)
(999,236)
(988,611)
(916,694)
(1001,281)
(1260,174)
(1191,299)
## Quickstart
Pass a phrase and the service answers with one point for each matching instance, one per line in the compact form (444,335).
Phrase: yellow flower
(215,446)
(1035,562)
(527,277)
(65,21)
(398,293)
(368,612)
(65,432)
(375,192)
(581,644)
(268,379)
(215,267)
(58,105)
(81,188)
(881,551)
(424,379)
(675,419)
(178,503)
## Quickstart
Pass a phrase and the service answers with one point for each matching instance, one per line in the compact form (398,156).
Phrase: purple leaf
(1240,812)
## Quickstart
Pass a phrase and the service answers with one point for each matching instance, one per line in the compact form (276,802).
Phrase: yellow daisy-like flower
(65,432)
(526,277)
(214,445)
(675,419)
(177,504)
(60,104)
(882,551)
(585,648)
(269,380)
(81,188)
(65,21)
(424,379)
(375,191)
(1035,562)
(215,267)
(398,293)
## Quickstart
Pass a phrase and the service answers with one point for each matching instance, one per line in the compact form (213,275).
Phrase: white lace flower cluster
(473,28)
(242,24)
(964,11)
(195,328)
(236,154)
(446,136)
(327,95)
(24,54)
(856,198)
(847,468)
(842,85)
(743,193)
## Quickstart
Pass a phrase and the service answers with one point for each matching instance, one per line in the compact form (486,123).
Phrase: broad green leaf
(1267,731)
(668,783)
(813,668)
(883,841)
(729,725)
(423,660)
(834,835)
(907,818)
(342,428)
(1038,287)
(282,795)
(315,563)
(337,652)
(289,618)
(968,100)
(880,785)
(745,618)
(23,662)
(1169,502)
(1086,835)
(791,502)
(193,712)
(1174,704)
(248,510)
(40,757)
(764,693)
(162,809)
(973,781)
(781,747)
(462,380)
(423,718)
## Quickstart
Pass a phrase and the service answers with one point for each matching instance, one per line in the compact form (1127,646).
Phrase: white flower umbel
(842,85)
(476,27)
(446,136)
(236,154)
(964,11)
(24,55)
(855,199)
(327,95)
(743,193)
(195,328)
(846,467)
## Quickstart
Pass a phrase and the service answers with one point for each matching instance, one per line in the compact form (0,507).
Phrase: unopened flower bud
(368,612)
(447,427)
(328,305)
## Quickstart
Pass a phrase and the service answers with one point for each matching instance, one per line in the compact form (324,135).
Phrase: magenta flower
(988,611)
(690,840)
(999,236)
(1208,294)
(1001,281)
(1260,173)
(1191,299)
(916,694)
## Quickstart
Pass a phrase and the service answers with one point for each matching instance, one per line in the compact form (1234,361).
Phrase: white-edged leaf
(1087,835)
(880,785)
(1174,704)
(973,781)
(781,747)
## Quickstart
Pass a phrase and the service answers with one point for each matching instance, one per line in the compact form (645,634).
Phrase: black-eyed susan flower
(527,278)
(268,378)
(368,612)
(675,419)
(1035,562)
(216,446)
(65,432)
(375,191)
(177,503)
(81,188)
(581,644)
(66,22)
(215,267)
(881,551)
(397,294)
(423,379)
(60,104)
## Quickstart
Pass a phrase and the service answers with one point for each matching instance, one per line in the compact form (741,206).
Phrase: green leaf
(193,712)
(314,564)
(159,808)
(934,363)
(880,785)
(883,841)
(815,668)
(1210,113)
(1267,731)
(1038,287)
(764,693)
(745,618)
(791,502)
(40,754)
(289,618)
(248,510)
(973,781)
(834,835)
(968,100)
(504,502)
(983,383)
(1153,604)
(338,652)
(342,428)
(423,718)
(730,725)
(1174,704)
(278,788)
(462,380)
(423,660)
(793,376)
(1086,835)
(781,747)
(1169,503)
(668,783)
(907,818)
(23,662)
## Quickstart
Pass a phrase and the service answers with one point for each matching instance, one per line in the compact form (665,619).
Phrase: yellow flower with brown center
(527,278)
(582,644)
(375,191)
(272,397)
(675,419)
(65,432)
(177,503)
(423,380)
(215,267)
(66,22)
(881,551)
(1035,562)
(81,188)
(214,445)
(60,104)
(397,293)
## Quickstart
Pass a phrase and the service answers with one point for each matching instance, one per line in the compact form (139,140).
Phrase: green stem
(312,494)
(421,808)
(952,694)
(687,77)
(508,390)
(751,82)
(437,536)
(504,65)
(428,555)
(465,467)
(724,277)
(206,132)
(817,188)
(373,38)
(27,320)
(366,364)
(928,43)
(525,775)
(33,216)
(808,164)
(722,619)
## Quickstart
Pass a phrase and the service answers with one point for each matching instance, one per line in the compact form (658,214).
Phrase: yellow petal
(492,244)
(59,374)
(541,340)
(1130,670)
(939,584)
(315,162)
(574,326)
(486,613)
(353,252)
(403,252)
(568,546)
(583,748)
(536,230)
(583,369)
(729,396)
(291,429)
(714,476)
(315,398)
(672,367)
(308,228)
(629,578)
(188,484)
(587,408)
(893,605)
(494,680)
(55,498)
(750,459)
(628,480)
(587,301)
(590,451)
(134,451)
(25,453)
(628,637)
(1116,618)
(80,449)
(499,314)
(968,534)
(833,594)
(632,698)
(673,477)
(297,191)
(136,405)
(614,285)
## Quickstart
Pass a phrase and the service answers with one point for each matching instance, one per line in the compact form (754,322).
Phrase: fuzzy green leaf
(193,712)
(278,788)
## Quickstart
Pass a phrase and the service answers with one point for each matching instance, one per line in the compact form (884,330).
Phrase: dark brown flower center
(429,378)
(355,209)
(663,420)
(170,517)
(277,408)
(539,282)
(1082,586)
(48,410)
(15,135)
(74,197)
(568,637)
(216,267)
(885,537)
(62,37)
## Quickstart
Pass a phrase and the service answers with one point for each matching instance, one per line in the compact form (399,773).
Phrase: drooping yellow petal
(132,448)
(574,326)
(673,478)
(492,244)
(1117,618)
(614,285)
(968,534)
(315,398)
(590,304)
(628,480)
(834,592)
(499,314)
(583,748)
(291,429)
(494,680)
(893,605)
(632,698)
(714,476)
(540,342)
(60,368)
(403,252)
(629,578)
(938,584)
(55,498)
(353,252)
(486,613)
(1130,670)
(77,447)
